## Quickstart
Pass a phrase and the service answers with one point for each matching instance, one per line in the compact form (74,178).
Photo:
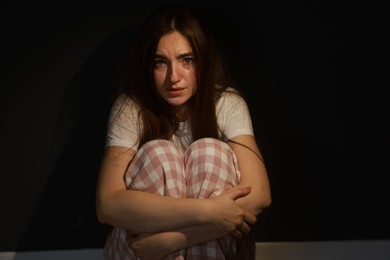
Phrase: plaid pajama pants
(207,168)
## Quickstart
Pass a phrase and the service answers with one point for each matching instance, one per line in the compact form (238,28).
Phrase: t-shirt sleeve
(233,116)
(123,124)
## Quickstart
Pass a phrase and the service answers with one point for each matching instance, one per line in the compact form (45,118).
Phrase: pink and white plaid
(206,169)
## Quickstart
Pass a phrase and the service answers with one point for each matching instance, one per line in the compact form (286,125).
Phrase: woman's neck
(181,113)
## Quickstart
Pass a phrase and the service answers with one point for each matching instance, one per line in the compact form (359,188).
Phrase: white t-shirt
(233,119)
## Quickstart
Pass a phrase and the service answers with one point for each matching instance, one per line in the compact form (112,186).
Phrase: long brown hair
(138,83)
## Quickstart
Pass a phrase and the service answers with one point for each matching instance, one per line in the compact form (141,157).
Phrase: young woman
(182,176)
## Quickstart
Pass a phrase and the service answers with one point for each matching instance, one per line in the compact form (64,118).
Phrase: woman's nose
(174,73)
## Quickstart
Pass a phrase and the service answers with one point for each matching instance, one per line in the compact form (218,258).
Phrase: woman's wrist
(175,241)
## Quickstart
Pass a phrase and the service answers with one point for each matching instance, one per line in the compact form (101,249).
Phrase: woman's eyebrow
(185,55)
(161,56)
(180,56)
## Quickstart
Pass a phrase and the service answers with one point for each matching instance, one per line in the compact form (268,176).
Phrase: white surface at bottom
(311,250)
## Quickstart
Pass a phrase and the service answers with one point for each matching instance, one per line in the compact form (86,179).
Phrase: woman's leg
(211,168)
(157,167)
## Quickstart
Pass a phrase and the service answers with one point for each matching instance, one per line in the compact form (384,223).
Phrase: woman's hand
(227,216)
(224,218)
(150,246)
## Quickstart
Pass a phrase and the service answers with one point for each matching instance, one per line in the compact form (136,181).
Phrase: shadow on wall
(66,218)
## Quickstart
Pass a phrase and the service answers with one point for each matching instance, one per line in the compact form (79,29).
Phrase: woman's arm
(253,174)
(158,245)
(146,212)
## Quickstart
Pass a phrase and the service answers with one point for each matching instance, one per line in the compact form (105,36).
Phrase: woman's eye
(188,60)
(159,63)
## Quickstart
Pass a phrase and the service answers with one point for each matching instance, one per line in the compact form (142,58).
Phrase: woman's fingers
(236,234)
(238,192)
(244,227)
(232,219)
(250,218)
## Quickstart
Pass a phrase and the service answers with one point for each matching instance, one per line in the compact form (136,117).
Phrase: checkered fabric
(206,169)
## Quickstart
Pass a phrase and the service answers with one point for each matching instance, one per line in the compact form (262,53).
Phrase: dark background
(314,75)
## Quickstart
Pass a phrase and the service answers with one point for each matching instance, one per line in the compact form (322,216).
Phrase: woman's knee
(209,146)
(211,168)
(157,167)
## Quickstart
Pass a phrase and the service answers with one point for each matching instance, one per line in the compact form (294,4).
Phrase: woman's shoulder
(230,94)
(125,100)
(125,103)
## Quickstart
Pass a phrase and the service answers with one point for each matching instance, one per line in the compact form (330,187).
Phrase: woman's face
(174,72)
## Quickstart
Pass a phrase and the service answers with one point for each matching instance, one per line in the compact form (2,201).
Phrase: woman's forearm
(147,212)
(168,242)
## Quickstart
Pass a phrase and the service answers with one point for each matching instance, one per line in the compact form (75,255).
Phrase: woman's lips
(176,91)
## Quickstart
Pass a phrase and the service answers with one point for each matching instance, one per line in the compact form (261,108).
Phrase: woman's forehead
(173,42)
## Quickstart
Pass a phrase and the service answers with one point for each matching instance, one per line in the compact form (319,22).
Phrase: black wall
(313,74)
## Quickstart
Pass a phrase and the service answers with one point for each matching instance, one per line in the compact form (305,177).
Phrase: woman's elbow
(263,203)
(267,201)
(102,212)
